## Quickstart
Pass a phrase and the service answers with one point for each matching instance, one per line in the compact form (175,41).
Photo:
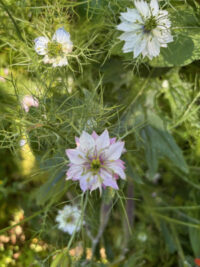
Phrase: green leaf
(168,237)
(180,52)
(61,260)
(51,188)
(159,143)
(194,239)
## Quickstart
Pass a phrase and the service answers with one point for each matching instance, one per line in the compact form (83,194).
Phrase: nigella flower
(146,29)
(69,219)
(29,101)
(96,162)
(55,50)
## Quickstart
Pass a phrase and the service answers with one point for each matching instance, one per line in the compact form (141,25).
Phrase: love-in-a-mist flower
(69,219)
(55,51)
(146,29)
(29,101)
(96,162)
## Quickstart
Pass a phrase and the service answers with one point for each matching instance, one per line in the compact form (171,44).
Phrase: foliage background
(153,220)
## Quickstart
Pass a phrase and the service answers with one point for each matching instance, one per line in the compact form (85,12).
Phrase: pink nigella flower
(96,162)
(29,101)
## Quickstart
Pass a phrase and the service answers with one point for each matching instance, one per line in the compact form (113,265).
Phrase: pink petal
(103,141)
(120,163)
(114,151)
(95,135)
(108,180)
(75,156)
(77,141)
(112,140)
(116,169)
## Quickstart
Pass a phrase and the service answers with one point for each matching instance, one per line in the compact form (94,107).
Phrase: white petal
(131,15)
(103,141)
(75,156)
(128,47)
(74,172)
(153,47)
(41,45)
(96,183)
(84,182)
(131,43)
(129,36)
(139,46)
(114,151)
(61,36)
(154,7)
(142,8)
(87,142)
(126,27)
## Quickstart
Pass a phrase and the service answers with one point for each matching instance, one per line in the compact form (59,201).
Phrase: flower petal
(153,47)
(116,168)
(126,27)
(74,172)
(95,135)
(154,7)
(112,140)
(114,151)
(103,141)
(41,45)
(61,36)
(143,8)
(139,47)
(85,181)
(131,15)
(87,142)
(75,156)
(108,180)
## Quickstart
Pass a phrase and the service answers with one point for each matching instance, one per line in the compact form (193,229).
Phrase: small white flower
(69,219)
(55,51)
(142,237)
(29,101)
(165,84)
(146,29)
(22,142)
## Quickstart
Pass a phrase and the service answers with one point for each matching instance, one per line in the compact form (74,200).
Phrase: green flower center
(54,49)
(95,165)
(150,24)
(69,219)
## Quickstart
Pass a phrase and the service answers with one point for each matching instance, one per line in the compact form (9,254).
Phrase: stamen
(95,165)
(150,24)
(55,49)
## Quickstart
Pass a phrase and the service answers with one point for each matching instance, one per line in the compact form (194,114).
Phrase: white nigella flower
(69,219)
(96,162)
(146,29)
(55,51)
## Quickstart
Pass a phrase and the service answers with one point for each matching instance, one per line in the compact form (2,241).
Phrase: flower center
(54,49)
(150,24)
(69,219)
(95,165)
